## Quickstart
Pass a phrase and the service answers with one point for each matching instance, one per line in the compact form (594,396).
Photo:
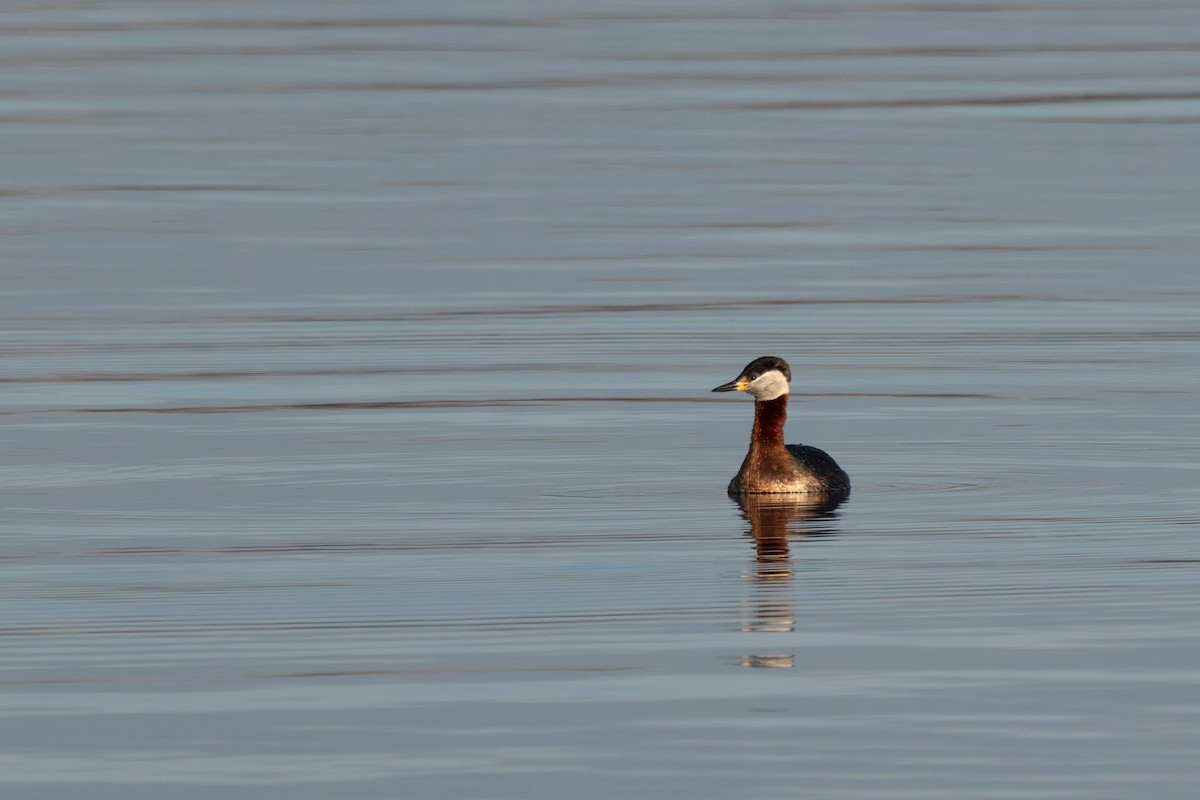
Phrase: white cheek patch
(768,386)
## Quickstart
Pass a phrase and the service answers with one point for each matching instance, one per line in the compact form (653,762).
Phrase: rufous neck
(769,416)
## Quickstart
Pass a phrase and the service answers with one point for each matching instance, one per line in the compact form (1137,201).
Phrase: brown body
(771,467)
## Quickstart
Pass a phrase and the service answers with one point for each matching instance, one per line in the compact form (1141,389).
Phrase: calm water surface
(355,399)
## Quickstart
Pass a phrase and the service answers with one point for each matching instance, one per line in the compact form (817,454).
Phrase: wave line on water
(376,405)
(189,625)
(592,540)
(52,191)
(623,308)
(918,51)
(941,102)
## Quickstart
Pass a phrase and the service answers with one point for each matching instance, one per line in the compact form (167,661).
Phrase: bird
(771,467)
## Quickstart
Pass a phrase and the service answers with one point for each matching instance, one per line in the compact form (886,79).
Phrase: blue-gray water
(355,407)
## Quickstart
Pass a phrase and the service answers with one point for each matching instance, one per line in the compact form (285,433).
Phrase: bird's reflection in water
(775,520)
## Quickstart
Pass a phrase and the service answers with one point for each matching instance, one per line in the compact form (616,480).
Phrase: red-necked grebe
(771,467)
